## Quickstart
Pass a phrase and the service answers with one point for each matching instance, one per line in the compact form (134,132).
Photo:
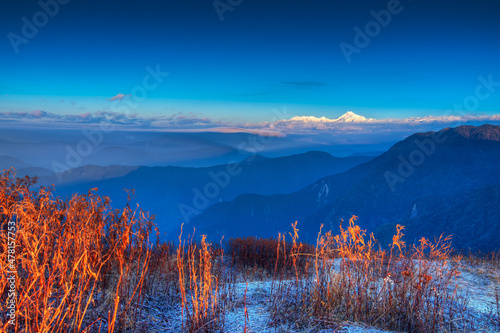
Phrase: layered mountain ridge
(449,164)
(177,194)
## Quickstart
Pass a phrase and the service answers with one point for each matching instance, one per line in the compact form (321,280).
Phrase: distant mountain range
(72,149)
(435,182)
(177,194)
(23,168)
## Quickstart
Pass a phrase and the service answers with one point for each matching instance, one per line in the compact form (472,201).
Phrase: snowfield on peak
(348,117)
(351,117)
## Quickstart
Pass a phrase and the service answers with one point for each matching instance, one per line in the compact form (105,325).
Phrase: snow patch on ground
(257,307)
(477,283)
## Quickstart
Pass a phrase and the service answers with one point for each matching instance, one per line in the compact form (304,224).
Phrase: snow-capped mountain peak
(350,117)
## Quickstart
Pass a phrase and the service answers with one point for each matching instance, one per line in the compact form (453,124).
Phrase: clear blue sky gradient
(264,53)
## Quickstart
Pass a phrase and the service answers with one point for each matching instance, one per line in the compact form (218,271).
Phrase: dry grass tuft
(397,289)
(205,285)
(80,265)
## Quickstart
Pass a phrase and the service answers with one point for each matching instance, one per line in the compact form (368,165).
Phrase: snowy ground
(257,295)
(479,284)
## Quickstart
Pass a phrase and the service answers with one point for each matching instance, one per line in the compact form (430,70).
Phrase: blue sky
(263,55)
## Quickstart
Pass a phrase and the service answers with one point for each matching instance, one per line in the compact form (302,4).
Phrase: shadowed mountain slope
(448,164)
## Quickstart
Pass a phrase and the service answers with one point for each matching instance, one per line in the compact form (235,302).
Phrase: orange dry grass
(80,265)
(272,256)
(399,289)
(199,284)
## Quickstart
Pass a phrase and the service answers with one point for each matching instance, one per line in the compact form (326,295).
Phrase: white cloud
(133,121)
(119,97)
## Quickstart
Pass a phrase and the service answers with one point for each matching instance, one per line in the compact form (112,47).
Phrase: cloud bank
(126,120)
(348,123)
